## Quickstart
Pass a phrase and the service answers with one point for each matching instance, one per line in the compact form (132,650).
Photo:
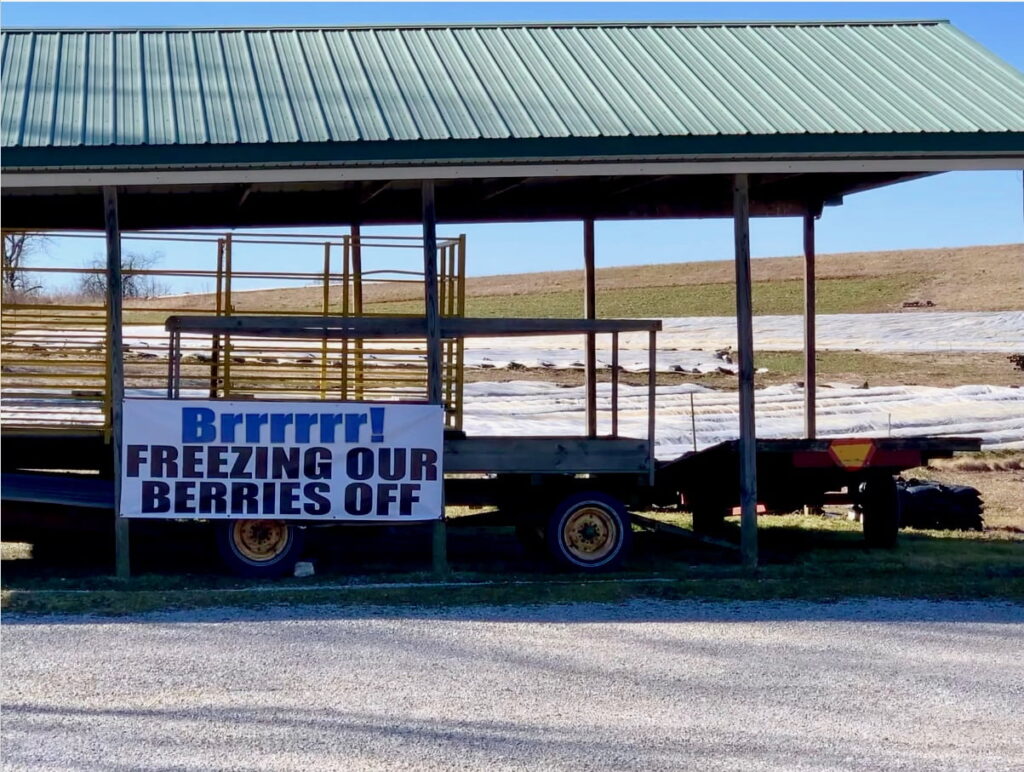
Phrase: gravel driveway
(855,685)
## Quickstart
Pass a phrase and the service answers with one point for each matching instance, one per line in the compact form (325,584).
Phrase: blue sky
(946,210)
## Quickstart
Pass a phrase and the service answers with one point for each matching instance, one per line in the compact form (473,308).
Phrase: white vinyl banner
(288,460)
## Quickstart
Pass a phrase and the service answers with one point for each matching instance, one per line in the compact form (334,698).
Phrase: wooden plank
(115,365)
(400,326)
(470,327)
(546,455)
(745,338)
(299,326)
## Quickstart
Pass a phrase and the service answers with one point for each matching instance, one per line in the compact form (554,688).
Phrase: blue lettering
(197,425)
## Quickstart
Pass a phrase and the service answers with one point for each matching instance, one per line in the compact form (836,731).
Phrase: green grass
(806,558)
(834,296)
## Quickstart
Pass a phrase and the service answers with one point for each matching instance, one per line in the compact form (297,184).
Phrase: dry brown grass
(999,475)
(981,278)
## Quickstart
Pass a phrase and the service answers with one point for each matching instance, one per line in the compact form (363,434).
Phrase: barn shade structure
(185,128)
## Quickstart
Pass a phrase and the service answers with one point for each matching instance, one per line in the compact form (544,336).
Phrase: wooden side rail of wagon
(407,327)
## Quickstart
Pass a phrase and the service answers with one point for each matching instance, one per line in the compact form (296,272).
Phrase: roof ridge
(493,25)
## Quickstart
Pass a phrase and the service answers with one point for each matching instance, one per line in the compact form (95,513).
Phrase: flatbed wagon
(571,496)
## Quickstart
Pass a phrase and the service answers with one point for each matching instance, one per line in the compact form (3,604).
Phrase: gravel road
(856,685)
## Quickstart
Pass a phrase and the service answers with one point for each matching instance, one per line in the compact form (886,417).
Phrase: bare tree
(135,282)
(18,247)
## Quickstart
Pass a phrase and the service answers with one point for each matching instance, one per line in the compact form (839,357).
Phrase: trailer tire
(879,502)
(589,531)
(260,549)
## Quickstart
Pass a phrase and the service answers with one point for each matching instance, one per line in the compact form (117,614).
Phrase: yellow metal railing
(54,347)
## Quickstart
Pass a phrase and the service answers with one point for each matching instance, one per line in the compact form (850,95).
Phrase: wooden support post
(810,343)
(115,373)
(430,295)
(745,340)
(357,301)
(433,327)
(615,384)
(590,312)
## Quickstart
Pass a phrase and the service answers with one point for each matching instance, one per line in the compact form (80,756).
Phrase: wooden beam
(430,296)
(810,342)
(546,455)
(115,373)
(745,340)
(590,312)
(357,304)
(337,327)
(439,536)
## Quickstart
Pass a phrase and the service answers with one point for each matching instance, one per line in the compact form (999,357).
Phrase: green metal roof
(178,96)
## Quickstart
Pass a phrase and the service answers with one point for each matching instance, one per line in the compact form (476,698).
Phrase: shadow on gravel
(383,739)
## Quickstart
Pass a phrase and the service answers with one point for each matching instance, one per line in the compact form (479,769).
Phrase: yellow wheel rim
(590,533)
(259,540)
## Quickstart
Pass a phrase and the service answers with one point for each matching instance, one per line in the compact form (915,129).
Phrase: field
(983,278)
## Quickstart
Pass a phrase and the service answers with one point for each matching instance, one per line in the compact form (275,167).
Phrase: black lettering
(289,504)
(409,494)
(241,461)
(184,496)
(165,461)
(422,464)
(245,499)
(191,459)
(359,464)
(215,461)
(260,472)
(391,463)
(318,504)
(269,498)
(316,463)
(155,496)
(136,457)
(285,464)
(385,498)
(212,498)
(358,499)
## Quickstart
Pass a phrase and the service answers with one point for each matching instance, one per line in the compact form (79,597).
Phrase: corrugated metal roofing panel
(66,88)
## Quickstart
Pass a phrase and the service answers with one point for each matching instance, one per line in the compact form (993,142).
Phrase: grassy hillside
(983,278)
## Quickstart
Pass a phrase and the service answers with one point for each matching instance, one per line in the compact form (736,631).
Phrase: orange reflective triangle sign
(852,453)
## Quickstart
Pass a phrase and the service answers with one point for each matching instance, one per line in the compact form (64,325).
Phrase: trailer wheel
(589,531)
(259,548)
(879,502)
